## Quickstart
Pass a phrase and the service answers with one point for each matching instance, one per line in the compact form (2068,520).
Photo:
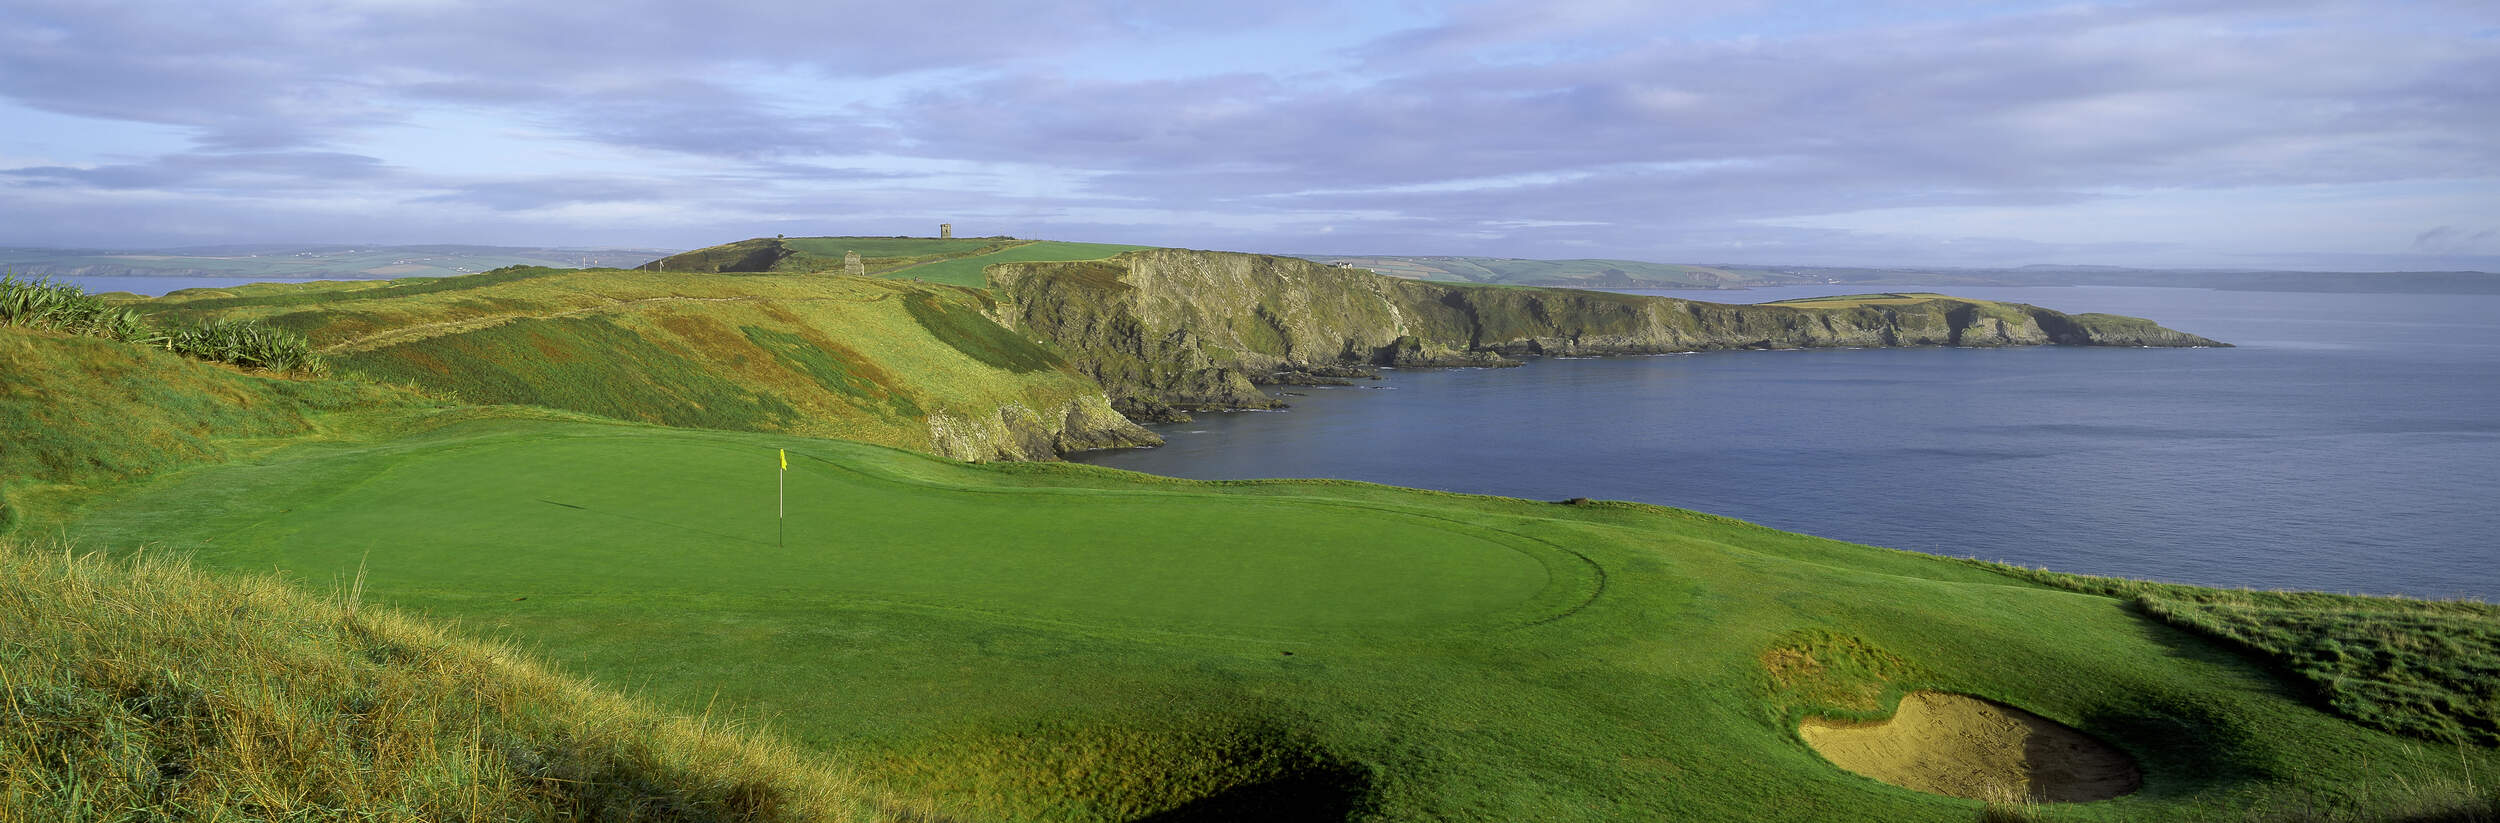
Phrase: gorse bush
(61,307)
(66,308)
(244,344)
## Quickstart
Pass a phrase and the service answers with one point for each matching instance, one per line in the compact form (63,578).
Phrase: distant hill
(1587,273)
(911,365)
(308,262)
(1633,274)
(952,260)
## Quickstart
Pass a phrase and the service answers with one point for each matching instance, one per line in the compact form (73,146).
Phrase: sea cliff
(1171,330)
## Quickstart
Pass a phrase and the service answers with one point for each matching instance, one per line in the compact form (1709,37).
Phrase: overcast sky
(2247,134)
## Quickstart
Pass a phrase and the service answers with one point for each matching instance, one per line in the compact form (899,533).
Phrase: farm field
(1056,642)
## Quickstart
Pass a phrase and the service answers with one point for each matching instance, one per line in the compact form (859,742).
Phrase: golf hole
(1966,747)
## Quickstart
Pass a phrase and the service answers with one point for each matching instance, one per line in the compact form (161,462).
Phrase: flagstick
(781,494)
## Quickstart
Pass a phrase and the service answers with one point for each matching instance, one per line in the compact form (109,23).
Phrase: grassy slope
(966,271)
(1063,642)
(1585,272)
(871,248)
(954,261)
(2425,668)
(145,690)
(79,410)
(829,356)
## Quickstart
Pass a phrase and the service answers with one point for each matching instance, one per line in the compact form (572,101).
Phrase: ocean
(2351,442)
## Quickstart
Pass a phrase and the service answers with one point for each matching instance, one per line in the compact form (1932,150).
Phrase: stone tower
(851,265)
(946,230)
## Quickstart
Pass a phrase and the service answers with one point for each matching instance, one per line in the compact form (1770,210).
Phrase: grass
(1053,642)
(871,248)
(140,689)
(2424,668)
(869,360)
(966,271)
(1500,270)
(952,261)
(80,411)
(1850,301)
(1015,641)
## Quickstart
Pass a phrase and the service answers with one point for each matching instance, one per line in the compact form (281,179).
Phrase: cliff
(1166,330)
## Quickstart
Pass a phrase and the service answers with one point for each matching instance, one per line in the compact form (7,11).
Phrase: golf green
(662,514)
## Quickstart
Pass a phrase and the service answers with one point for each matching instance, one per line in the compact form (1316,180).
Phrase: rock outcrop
(1168,330)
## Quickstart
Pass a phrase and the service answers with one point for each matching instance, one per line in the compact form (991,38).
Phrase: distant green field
(320,262)
(870,247)
(1850,301)
(966,271)
(1054,642)
(1586,272)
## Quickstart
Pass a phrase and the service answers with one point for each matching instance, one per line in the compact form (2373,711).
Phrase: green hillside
(303,262)
(952,261)
(885,361)
(1584,273)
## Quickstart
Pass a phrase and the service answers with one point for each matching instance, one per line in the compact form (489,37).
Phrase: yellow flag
(785,459)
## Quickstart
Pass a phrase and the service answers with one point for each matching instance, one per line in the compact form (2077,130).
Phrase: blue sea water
(2350,443)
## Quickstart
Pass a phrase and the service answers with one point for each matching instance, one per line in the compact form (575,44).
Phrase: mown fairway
(1060,642)
(697,516)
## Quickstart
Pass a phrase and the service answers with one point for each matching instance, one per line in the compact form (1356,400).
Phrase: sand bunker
(1966,747)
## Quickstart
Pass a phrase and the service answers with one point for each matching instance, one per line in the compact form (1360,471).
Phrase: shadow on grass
(1331,793)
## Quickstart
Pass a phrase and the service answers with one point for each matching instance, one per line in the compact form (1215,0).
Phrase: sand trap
(1966,747)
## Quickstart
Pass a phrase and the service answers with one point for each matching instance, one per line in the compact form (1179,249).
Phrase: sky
(2326,135)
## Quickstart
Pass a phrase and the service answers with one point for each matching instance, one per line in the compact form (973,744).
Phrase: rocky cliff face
(1168,330)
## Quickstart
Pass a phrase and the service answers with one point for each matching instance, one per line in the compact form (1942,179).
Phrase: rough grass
(872,248)
(143,690)
(966,271)
(1849,301)
(587,364)
(264,296)
(805,255)
(2425,668)
(81,410)
(745,256)
(863,359)
(962,327)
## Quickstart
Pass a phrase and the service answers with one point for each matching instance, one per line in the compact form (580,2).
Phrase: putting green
(657,513)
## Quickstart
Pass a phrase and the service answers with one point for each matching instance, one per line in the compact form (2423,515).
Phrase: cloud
(2445,240)
(1609,126)
(257,171)
(526,195)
